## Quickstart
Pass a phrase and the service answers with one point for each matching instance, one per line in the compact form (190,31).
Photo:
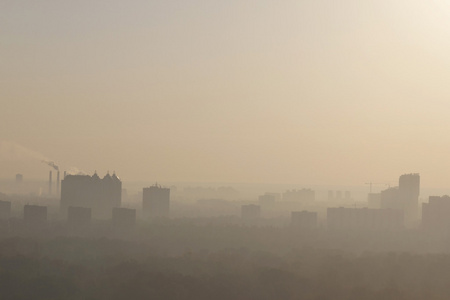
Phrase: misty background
(224,149)
(299,92)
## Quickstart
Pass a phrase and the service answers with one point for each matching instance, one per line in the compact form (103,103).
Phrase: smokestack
(57,184)
(50,183)
(64,174)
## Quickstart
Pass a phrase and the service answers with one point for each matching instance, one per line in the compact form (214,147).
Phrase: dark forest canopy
(82,268)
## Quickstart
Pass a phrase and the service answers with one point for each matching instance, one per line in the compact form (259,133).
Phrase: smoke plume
(75,171)
(11,151)
(51,164)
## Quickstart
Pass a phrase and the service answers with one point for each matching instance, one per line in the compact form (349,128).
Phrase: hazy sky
(287,91)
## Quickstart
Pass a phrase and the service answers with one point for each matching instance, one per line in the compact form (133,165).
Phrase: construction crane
(375,183)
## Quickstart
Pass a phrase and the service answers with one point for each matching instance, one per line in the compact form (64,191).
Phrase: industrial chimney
(50,183)
(57,184)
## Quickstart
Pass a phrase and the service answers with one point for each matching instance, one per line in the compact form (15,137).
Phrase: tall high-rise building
(409,190)
(404,197)
(156,201)
(436,215)
(101,195)
(5,209)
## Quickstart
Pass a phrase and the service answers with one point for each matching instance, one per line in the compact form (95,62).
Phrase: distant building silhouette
(268,199)
(339,195)
(436,215)
(223,192)
(409,187)
(250,212)
(101,195)
(404,197)
(330,195)
(374,200)
(19,178)
(364,219)
(390,198)
(347,195)
(303,195)
(5,210)
(304,219)
(156,201)
(79,217)
(35,216)
(123,218)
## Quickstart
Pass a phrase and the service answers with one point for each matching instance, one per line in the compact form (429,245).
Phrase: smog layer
(224,149)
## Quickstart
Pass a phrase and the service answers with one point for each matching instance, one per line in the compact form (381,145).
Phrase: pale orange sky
(308,92)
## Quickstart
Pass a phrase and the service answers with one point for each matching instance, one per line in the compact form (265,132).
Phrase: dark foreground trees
(76,268)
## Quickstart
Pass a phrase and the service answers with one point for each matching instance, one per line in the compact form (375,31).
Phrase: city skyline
(223,150)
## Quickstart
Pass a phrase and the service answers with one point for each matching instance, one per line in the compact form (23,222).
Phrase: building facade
(5,209)
(436,215)
(304,220)
(156,202)
(404,197)
(250,212)
(101,195)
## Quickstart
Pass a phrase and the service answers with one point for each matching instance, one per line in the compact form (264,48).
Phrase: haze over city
(224,150)
(300,92)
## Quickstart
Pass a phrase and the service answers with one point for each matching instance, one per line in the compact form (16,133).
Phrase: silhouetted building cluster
(268,198)
(364,219)
(338,195)
(303,195)
(250,212)
(304,219)
(101,195)
(156,202)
